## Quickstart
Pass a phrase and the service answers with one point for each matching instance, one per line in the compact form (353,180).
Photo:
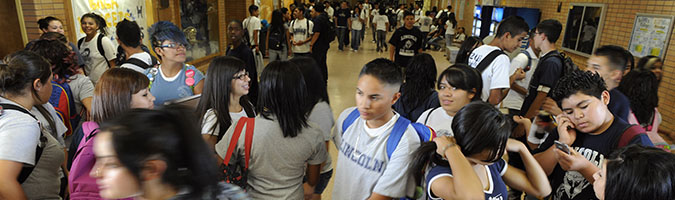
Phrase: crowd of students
(80,122)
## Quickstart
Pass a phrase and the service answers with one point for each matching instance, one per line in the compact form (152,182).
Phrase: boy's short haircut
(384,70)
(129,33)
(252,9)
(615,55)
(514,25)
(301,8)
(551,28)
(586,82)
(427,13)
(407,13)
(449,8)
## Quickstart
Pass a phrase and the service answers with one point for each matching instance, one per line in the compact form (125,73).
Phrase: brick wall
(618,25)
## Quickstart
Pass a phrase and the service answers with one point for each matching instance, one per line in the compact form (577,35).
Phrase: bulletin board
(651,34)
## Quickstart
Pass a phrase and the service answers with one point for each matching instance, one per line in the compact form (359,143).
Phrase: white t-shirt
(450,30)
(322,116)
(143,56)
(210,120)
(496,75)
(439,120)
(18,147)
(425,24)
(60,127)
(300,32)
(82,88)
(381,22)
(251,24)
(363,166)
(356,24)
(95,63)
(375,12)
(460,37)
(418,15)
(513,99)
(330,11)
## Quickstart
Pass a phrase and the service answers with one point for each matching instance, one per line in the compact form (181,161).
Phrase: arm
(198,88)
(288,42)
(376,196)
(210,140)
(86,102)
(566,134)
(518,89)
(315,37)
(536,104)
(267,41)
(255,40)
(112,63)
(392,51)
(349,24)
(464,184)
(9,186)
(496,96)
(534,180)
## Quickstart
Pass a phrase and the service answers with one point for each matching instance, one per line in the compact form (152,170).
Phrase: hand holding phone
(562,146)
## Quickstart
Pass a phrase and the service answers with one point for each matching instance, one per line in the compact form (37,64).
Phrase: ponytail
(425,156)
(19,71)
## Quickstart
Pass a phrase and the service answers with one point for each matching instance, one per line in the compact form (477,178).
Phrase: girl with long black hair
(470,165)
(417,92)
(283,141)
(642,89)
(280,35)
(467,47)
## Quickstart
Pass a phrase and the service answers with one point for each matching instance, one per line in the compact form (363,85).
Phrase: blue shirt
(497,188)
(619,104)
(175,87)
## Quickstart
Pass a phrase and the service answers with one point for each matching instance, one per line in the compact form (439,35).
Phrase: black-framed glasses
(241,76)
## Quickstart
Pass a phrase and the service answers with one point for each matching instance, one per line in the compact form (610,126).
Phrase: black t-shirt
(619,104)
(244,53)
(408,42)
(321,26)
(573,185)
(342,16)
(547,73)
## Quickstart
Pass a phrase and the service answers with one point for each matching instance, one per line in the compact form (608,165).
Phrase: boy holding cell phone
(591,132)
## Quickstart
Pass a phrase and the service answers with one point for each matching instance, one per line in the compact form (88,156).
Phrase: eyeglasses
(173,45)
(241,76)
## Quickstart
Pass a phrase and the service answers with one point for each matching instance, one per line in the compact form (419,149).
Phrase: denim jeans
(341,32)
(279,54)
(356,39)
(381,37)
(448,39)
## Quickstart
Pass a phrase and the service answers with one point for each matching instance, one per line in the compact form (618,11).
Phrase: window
(199,21)
(582,31)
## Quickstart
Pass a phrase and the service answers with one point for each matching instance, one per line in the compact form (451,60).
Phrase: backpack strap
(248,140)
(234,140)
(628,134)
(396,134)
(307,31)
(25,171)
(427,119)
(79,43)
(350,119)
(89,130)
(137,62)
(99,46)
(488,60)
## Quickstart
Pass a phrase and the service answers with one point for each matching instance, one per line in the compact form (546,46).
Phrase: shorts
(324,178)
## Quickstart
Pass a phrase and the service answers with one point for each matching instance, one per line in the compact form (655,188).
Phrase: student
(548,70)
(366,138)
(474,167)
(373,15)
(636,172)
(425,26)
(653,64)
(157,154)
(118,91)
(283,140)
(609,62)
(238,49)
(466,49)
(527,61)
(450,26)
(96,61)
(321,39)
(589,129)
(129,39)
(51,24)
(301,32)
(67,76)
(406,42)
(280,38)
(321,114)
(460,36)
(458,85)
(173,78)
(381,23)
(225,91)
(417,92)
(642,89)
(252,24)
(417,11)
(342,24)
(355,25)
(496,80)
(29,158)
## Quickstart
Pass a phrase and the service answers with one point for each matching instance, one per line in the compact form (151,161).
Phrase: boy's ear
(153,169)
(605,97)
(397,96)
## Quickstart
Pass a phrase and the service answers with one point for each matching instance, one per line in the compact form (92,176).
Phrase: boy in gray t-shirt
(364,170)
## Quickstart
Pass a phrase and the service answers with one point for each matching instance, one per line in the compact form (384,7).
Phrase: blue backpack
(425,133)
(64,104)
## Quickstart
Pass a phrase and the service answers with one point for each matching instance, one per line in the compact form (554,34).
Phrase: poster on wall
(651,34)
(113,11)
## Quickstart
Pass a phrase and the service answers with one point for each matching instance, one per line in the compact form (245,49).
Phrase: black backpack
(277,38)
(99,46)
(26,170)
(568,64)
(246,38)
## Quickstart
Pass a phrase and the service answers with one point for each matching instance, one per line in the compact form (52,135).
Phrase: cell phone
(562,146)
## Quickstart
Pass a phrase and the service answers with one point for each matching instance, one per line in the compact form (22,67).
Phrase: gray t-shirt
(82,88)
(57,131)
(363,166)
(277,164)
(322,115)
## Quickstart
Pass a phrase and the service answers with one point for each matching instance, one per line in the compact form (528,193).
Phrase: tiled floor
(343,70)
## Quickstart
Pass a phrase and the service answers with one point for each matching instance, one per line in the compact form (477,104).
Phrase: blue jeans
(356,39)
(341,32)
(381,43)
